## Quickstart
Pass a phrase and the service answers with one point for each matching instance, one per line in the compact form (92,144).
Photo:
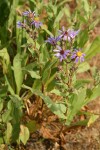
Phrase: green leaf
(16,114)
(80,123)
(94,23)
(86,8)
(51,85)
(94,48)
(1,104)
(32,126)
(94,94)
(92,119)
(81,82)
(18,72)
(63,2)
(58,17)
(37,84)
(61,107)
(34,74)
(76,103)
(12,12)
(7,70)
(33,2)
(10,89)
(89,93)
(56,91)
(44,55)
(4,12)
(24,134)
(8,133)
(57,108)
(83,38)
(67,13)
(82,18)
(44,27)
(15,104)
(6,116)
(15,132)
(83,67)
(3,91)
(86,5)
(47,70)
(2,146)
(5,59)
(51,77)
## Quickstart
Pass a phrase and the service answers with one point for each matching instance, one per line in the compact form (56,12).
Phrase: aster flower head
(60,53)
(68,34)
(20,24)
(78,56)
(36,22)
(53,40)
(29,13)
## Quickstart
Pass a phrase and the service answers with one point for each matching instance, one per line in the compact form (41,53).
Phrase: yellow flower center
(36,19)
(79,54)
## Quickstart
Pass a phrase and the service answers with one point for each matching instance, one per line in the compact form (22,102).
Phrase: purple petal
(58,38)
(25,13)
(73,56)
(61,58)
(77,59)
(64,56)
(59,31)
(81,58)
(83,54)
(37,25)
(67,51)
(56,50)
(65,38)
(76,50)
(33,22)
(69,39)
(77,32)
(19,24)
(57,55)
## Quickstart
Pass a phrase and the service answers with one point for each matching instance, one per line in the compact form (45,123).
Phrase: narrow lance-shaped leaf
(94,48)
(12,12)
(18,72)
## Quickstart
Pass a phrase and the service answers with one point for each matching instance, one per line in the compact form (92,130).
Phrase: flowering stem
(71,73)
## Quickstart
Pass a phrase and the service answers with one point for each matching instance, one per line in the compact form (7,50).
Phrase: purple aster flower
(36,22)
(60,53)
(53,40)
(73,33)
(78,56)
(29,13)
(20,24)
(68,34)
